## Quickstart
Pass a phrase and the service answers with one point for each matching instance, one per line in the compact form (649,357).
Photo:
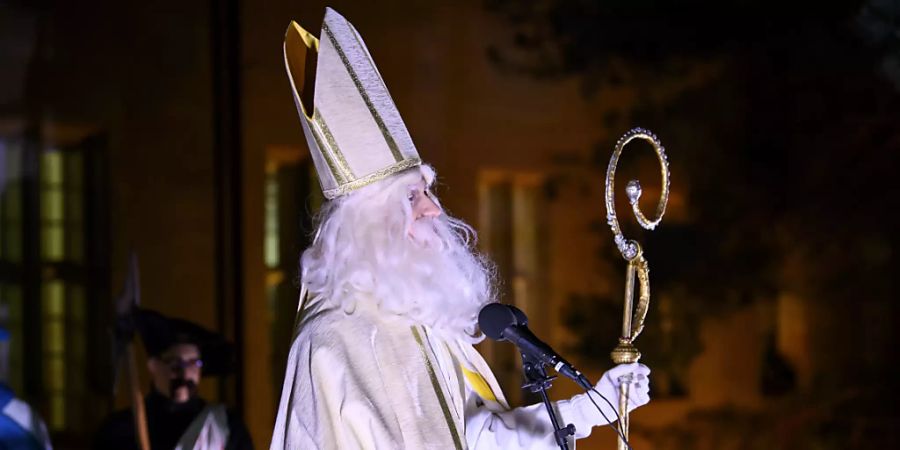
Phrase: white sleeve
(527,427)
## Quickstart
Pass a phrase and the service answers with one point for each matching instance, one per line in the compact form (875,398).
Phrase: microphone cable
(609,422)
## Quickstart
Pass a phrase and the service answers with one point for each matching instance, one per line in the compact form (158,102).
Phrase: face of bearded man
(176,372)
(392,243)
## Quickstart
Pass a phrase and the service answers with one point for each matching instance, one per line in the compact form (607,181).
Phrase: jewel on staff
(633,317)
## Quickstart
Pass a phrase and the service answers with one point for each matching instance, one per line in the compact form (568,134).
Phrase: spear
(633,316)
(125,306)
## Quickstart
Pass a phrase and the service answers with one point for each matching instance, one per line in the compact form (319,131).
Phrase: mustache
(427,232)
(177,383)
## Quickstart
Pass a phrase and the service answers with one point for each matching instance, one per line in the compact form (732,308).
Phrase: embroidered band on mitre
(355,134)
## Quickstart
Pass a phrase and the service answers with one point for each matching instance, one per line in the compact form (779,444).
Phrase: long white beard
(425,270)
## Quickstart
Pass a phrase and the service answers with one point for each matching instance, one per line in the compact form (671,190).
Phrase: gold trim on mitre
(363,140)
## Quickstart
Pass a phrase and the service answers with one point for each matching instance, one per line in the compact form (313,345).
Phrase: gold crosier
(633,316)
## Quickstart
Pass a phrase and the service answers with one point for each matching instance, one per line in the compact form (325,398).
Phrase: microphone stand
(536,380)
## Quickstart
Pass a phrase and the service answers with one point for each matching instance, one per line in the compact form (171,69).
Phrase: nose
(424,206)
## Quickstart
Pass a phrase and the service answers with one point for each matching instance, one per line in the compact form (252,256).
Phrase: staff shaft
(137,400)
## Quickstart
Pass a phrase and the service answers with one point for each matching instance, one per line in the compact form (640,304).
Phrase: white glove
(608,386)
(581,412)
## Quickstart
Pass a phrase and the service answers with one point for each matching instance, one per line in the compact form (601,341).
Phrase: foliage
(787,145)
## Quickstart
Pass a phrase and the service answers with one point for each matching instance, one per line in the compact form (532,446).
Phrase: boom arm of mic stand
(536,380)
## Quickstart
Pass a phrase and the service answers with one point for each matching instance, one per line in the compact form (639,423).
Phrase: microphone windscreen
(494,318)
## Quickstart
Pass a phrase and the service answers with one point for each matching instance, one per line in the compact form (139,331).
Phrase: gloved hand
(580,411)
(608,386)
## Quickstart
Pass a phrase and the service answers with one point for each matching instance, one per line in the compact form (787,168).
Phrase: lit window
(52,209)
(42,215)
(272,255)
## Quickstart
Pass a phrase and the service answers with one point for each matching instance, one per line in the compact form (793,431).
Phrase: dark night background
(789,149)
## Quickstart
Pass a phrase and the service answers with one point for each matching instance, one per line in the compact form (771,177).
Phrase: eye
(411,195)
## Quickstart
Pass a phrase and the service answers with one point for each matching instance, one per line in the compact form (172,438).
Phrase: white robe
(371,380)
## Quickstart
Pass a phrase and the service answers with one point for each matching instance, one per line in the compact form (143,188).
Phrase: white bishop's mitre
(355,133)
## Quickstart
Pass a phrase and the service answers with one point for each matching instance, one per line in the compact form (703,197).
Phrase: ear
(152,365)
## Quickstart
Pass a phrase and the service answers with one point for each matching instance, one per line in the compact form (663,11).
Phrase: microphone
(508,323)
